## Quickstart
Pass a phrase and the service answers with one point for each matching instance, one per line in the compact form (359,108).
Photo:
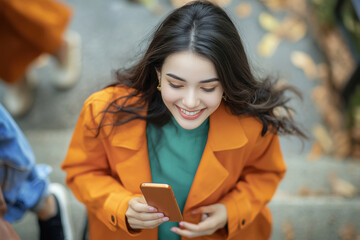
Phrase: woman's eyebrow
(202,81)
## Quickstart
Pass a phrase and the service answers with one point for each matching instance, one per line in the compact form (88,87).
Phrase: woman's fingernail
(152,209)
(165,219)
(160,214)
(181,224)
(173,230)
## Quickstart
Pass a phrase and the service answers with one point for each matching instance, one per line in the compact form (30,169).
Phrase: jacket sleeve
(259,179)
(89,175)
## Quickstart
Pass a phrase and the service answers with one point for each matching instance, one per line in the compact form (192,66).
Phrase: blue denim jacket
(24,184)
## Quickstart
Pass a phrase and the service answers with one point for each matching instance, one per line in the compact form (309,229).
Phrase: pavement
(113,33)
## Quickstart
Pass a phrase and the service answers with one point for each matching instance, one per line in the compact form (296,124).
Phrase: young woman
(190,114)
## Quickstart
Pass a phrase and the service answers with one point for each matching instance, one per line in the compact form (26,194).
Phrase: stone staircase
(305,206)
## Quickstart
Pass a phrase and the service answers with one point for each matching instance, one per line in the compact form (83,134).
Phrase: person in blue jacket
(26,186)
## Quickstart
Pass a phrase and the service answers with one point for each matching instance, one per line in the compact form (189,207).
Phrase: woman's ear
(158,73)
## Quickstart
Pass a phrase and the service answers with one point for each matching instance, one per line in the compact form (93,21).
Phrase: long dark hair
(205,29)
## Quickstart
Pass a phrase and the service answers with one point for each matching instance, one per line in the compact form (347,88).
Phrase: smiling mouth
(190,115)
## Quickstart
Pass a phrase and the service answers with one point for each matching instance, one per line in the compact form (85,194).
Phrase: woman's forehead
(187,64)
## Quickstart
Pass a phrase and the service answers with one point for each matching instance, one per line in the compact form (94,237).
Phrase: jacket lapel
(134,166)
(225,133)
(209,177)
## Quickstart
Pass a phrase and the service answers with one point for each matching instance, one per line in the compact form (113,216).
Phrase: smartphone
(161,196)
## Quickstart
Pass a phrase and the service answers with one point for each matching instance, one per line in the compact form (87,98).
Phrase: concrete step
(313,178)
(314,218)
(50,147)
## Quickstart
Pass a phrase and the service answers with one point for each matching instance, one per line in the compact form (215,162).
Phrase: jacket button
(243,222)
(113,218)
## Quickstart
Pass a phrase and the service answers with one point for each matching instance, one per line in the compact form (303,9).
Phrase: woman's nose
(191,100)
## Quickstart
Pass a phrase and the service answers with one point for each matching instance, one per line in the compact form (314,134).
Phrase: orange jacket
(239,168)
(28,29)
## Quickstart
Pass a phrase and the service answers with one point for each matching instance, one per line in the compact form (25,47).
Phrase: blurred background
(311,44)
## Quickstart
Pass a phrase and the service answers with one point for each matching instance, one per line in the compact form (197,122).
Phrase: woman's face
(190,88)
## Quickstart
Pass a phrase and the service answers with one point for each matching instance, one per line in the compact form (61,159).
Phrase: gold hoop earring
(159,87)
(224,98)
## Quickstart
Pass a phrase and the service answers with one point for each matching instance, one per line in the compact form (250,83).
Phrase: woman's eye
(208,89)
(174,85)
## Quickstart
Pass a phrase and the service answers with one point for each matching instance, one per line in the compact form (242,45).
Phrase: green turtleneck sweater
(174,154)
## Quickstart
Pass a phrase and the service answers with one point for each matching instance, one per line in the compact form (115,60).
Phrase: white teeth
(189,113)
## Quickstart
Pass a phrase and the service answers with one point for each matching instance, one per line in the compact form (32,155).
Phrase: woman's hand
(139,215)
(214,217)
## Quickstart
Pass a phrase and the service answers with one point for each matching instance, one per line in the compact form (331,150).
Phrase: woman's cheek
(169,95)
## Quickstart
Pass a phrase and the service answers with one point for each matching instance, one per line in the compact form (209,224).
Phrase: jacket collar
(130,135)
(225,130)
